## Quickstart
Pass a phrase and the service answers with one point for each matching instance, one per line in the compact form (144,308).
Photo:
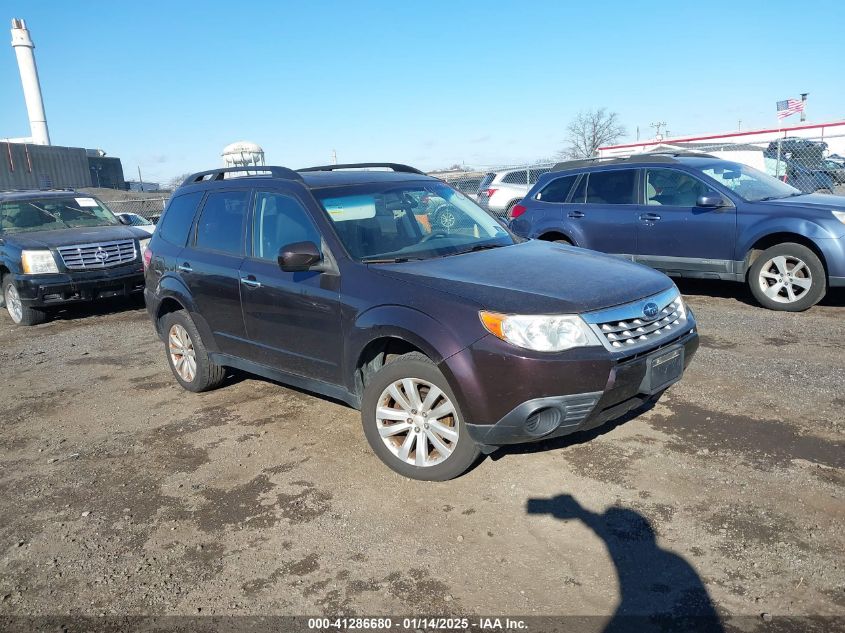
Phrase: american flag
(790,107)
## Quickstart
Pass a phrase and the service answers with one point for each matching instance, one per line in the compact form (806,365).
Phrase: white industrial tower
(24,50)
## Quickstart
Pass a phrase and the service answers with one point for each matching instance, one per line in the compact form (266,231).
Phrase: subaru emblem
(650,310)
(101,255)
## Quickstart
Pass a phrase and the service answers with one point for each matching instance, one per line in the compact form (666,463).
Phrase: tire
(421,374)
(445,218)
(181,339)
(19,312)
(804,288)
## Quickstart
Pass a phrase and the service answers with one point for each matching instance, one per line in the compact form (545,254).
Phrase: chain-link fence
(496,188)
(148,208)
(809,164)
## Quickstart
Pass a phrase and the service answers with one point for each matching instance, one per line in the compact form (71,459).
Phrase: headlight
(839,215)
(542,333)
(34,262)
(142,244)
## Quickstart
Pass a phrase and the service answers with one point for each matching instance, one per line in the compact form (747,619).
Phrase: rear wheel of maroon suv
(413,422)
(187,355)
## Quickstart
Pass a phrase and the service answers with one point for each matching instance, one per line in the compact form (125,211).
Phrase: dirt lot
(123,494)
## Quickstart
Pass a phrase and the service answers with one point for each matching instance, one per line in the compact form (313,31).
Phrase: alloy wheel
(182,353)
(785,279)
(13,303)
(417,422)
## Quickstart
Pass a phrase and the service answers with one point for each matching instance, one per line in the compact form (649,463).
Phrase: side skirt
(329,390)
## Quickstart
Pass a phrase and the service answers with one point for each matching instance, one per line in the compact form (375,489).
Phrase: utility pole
(804,98)
(657,126)
(739,125)
(140,180)
(334,157)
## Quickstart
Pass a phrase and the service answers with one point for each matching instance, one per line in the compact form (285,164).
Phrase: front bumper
(510,399)
(41,291)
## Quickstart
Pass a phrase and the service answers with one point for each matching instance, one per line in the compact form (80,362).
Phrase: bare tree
(590,130)
(174,182)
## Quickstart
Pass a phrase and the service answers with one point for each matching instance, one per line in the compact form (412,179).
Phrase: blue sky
(166,85)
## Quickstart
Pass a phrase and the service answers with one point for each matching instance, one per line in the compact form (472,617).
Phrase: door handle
(186,267)
(649,217)
(576,215)
(250,281)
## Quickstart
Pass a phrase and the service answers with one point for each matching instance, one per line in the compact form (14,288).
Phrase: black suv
(451,341)
(60,247)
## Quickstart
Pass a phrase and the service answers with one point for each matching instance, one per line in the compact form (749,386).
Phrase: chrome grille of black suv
(101,255)
(627,333)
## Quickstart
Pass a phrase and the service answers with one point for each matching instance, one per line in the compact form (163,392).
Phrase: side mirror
(299,256)
(124,220)
(710,201)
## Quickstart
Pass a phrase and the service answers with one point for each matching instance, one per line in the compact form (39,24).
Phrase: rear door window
(557,190)
(175,225)
(221,224)
(612,187)
(516,177)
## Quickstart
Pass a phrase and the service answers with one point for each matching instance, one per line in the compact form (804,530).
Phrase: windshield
(137,220)
(416,220)
(746,182)
(44,214)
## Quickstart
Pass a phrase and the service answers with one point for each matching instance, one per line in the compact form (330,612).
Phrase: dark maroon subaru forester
(397,294)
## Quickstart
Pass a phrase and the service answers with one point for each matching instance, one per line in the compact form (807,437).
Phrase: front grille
(641,325)
(639,331)
(101,255)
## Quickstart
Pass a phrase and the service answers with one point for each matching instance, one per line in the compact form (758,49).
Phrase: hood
(79,235)
(534,277)
(820,201)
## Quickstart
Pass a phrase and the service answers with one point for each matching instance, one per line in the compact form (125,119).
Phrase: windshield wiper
(476,248)
(389,260)
(789,195)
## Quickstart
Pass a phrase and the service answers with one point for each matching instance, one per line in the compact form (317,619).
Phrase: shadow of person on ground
(659,590)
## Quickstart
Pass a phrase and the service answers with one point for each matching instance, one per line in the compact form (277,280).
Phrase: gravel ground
(123,494)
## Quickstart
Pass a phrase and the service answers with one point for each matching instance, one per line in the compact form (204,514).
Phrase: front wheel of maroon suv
(413,422)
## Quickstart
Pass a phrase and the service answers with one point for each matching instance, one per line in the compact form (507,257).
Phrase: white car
(133,219)
(499,191)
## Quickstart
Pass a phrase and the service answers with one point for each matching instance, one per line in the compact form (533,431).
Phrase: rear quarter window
(175,224)
(557,190)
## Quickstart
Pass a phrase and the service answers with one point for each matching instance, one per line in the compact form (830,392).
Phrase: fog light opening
(543,422)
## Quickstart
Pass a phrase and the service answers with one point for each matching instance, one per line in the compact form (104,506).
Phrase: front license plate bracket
(663,369)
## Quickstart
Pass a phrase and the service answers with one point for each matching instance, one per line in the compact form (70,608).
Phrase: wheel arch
(553,235)
(780,237)
(173,295)
(384,331)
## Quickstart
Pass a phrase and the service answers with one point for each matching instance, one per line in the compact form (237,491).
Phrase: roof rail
(45,190)
(220,173)
(657,157)
(398,167)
